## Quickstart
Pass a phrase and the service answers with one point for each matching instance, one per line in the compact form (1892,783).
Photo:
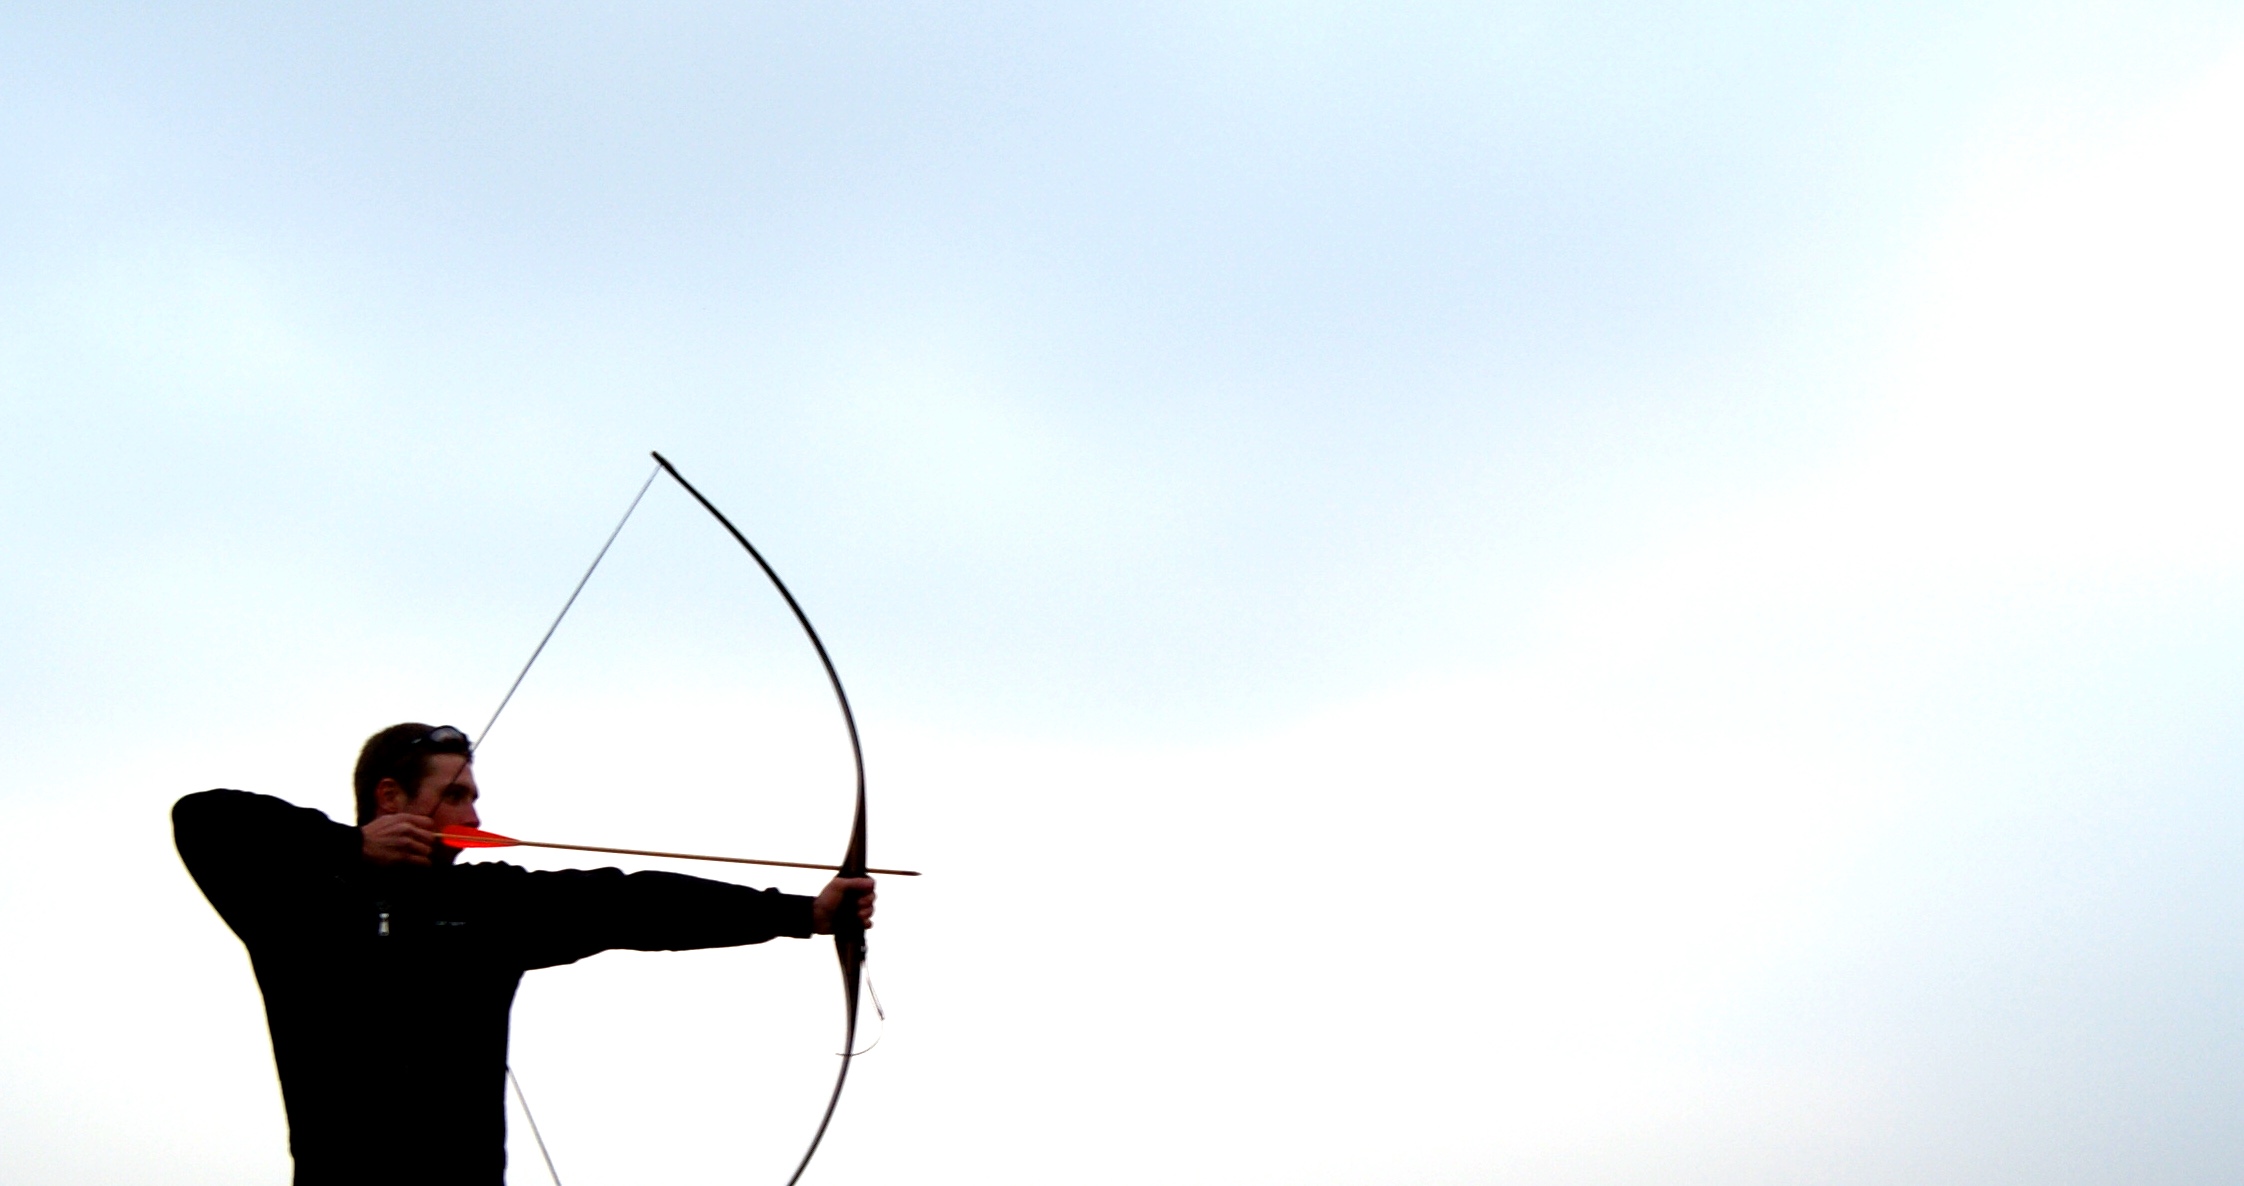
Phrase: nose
(472,820)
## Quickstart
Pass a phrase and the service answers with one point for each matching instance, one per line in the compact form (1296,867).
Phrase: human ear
(389,797)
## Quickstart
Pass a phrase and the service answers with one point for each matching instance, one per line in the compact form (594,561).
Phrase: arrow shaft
(695,856)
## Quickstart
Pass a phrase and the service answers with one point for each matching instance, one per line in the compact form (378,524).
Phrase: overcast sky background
(1546,593)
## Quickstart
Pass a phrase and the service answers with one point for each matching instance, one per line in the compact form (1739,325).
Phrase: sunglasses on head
(443,739)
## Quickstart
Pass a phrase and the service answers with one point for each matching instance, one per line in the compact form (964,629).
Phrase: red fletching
(462,837)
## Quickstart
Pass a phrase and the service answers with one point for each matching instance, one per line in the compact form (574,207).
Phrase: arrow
(458,836)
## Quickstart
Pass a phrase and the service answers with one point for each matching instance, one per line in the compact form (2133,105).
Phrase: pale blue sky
(1638,594)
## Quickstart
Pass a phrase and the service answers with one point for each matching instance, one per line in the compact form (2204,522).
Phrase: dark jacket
(387,988)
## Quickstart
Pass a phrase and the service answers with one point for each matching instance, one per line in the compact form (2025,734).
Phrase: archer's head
(417,769)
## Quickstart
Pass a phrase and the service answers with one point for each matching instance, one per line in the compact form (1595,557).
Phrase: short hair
(400,752)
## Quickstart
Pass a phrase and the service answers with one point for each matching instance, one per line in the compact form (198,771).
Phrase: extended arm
(558,917)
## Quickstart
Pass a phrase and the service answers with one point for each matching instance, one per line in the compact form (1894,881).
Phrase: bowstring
(530,1116)
(589,570)
(485,733)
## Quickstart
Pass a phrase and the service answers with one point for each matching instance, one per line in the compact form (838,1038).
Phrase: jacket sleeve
(558,917)
(254,856)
